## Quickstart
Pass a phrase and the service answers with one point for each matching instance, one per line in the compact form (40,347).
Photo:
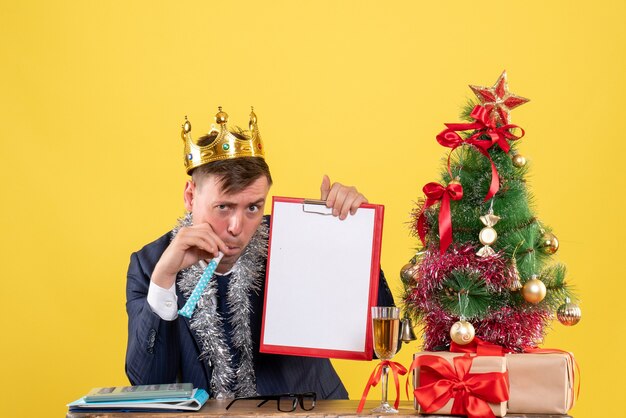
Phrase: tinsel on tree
(486,262)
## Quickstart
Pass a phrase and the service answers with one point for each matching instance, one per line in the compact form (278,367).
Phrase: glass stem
(383,383)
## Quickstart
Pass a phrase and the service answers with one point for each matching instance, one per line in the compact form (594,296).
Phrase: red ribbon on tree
(471,391)
(396,369)
(483,125)
(435,192)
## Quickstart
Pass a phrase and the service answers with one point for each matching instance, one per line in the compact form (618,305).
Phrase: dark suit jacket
(162,351)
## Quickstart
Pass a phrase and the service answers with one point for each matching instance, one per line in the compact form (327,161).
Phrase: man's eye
(222,207)
(253,208)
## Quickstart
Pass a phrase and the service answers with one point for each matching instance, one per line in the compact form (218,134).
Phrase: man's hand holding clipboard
(342,199)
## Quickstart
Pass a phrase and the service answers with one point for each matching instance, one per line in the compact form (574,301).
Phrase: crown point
(221,117)
(186,126)
(252,116)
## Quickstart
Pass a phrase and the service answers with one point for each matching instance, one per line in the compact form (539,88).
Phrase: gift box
(460,384)
(540,383)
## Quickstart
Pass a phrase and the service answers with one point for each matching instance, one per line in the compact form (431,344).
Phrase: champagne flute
(385,323)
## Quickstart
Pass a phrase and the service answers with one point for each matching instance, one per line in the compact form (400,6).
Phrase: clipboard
(321,280)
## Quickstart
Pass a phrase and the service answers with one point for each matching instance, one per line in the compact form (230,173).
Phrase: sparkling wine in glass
(386,324)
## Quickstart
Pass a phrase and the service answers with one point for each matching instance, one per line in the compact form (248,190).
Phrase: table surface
(326,409)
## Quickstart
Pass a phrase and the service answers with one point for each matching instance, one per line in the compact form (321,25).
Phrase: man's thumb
(325,187)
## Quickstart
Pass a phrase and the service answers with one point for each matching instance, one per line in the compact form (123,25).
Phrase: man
(218,348)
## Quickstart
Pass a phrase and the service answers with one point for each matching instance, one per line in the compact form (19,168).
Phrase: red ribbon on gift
(435,192)
(396,369)
(471,391)
(480,347)
(483,125)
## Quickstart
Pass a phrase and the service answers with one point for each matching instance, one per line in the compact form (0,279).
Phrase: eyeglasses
(286,402)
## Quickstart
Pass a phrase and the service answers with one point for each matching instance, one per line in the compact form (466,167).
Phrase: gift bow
(434,193)
(471,392)
(483,125)
(396,369)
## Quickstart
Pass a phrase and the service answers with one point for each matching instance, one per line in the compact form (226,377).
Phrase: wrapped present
(460,384)
(541,383)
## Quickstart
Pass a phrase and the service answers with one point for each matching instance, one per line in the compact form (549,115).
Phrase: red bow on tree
(471,392)
(434,193)
(483,126)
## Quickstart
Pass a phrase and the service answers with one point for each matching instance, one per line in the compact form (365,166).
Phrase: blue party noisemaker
(209,270)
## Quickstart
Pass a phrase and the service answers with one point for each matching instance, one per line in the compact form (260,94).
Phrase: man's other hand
(342,199)
(191,244)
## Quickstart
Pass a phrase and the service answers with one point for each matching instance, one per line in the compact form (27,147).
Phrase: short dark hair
(234,174)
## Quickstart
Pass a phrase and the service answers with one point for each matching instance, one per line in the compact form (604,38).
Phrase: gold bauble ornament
(534,290)
(549,243)
(569,313)
(455,180)
(409,272)
(519,160)
(462,332)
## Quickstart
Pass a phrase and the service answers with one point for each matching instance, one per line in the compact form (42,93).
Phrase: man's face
(233,217)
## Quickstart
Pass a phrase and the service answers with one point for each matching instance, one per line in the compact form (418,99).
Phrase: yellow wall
(93,95)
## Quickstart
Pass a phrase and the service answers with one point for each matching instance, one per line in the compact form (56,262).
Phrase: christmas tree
(485,266)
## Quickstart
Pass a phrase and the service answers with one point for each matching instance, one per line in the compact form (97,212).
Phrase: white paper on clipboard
(322,278)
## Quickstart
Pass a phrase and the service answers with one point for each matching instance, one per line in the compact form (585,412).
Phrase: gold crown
(226,144)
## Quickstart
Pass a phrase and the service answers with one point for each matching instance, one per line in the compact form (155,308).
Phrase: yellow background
(93,95)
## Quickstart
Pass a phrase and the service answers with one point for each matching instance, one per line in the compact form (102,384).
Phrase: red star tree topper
(498,100)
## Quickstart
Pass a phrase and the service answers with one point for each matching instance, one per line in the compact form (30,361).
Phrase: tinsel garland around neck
(228,380)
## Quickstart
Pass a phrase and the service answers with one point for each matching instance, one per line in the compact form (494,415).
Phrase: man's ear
(189,194)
